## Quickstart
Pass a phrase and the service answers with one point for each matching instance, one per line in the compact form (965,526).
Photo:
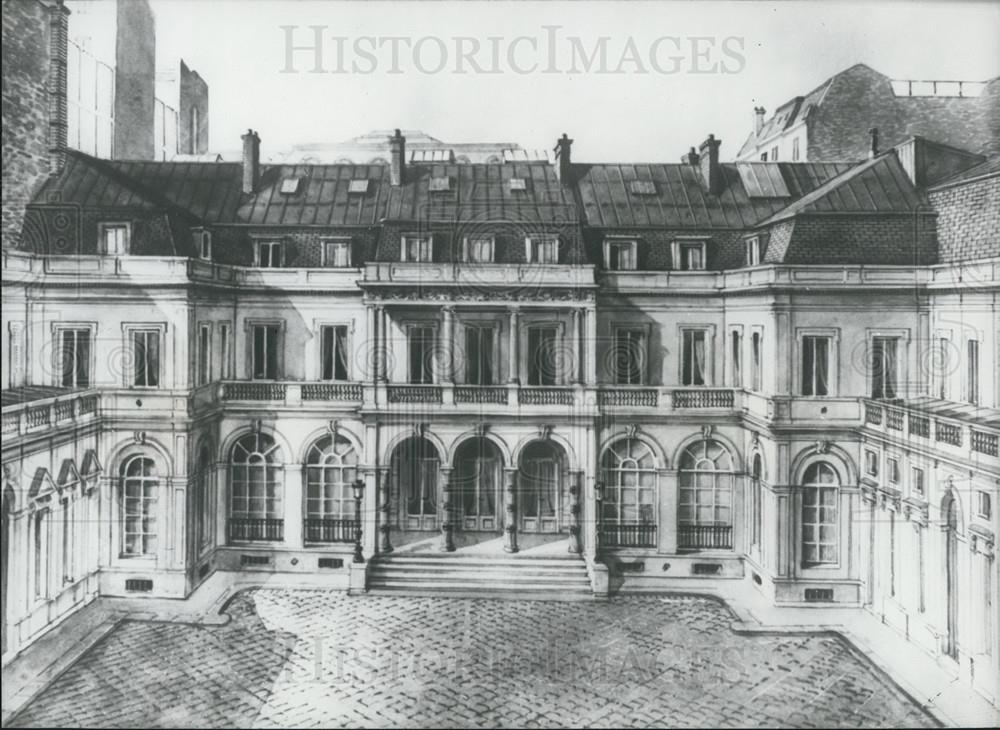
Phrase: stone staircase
(480,576)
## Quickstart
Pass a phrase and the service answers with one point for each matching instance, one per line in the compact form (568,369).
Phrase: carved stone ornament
(139,437)
(706,432)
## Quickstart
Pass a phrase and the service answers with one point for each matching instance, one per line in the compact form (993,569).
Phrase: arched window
(756,476)
(705,511)
(203,497)
(628,514)
(140,491)
(255,510)
(331,468)
(820,493)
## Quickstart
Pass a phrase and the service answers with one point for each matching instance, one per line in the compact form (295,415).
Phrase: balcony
(628,397)
(291,393)
(255,529)
(705,537)
(328,530)
(707,398)
(629,535)
(35,409)
(466,275)
(414,394)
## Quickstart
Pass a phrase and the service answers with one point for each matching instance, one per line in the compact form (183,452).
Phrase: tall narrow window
(331,468)
(705,510)
(753,251)
(943,366)
(114,239)
(630,356)
(543,356)
(795,150)
(774,154)
(815,365)
(479,355)
(204,354)
(265,351)
(75,358)
(884,367)
(224,355)
(972,376)
(256,480)
(628,510)
(333,345)
(140,487)
(916,482)
(755,354)
(420,341)
(41,557)
(735,351)
(336,254)
(67,541)
(269,254)
(693,358)
(820,491)
(620,255)
(756,497)
(146,358)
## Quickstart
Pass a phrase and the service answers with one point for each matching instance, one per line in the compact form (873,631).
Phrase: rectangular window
(204,354)
(479,250)
(944,355)
(795,150)
(692,257)
(74,358)
(269,254)
(620,255)
(630,356)
(819,525)
(543,250)
(418,249)
(420,339)
(693,357)
(114,239)
(735,349)
(146,358)
(755,354)
(972,376)
(815,365)
(884,367)
(916,481)
(753,251)
(763,157)
(224,353)
(67,542)
(774,154)
(333,347)
(41,562)
(892,467)
(264,364)
(984,504)
(871,463)
(543,355)
(202,243)
(336,254)
(479,355)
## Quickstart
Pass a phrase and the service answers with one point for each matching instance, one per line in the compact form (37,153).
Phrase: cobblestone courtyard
(323,659)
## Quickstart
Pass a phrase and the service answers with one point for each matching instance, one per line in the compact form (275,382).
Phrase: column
(371,344)
(382,480)
(447,345)
(293,506)
(590,346)
(512,366)
(382,344)
(577,345)
(447,536)
(510,512)
(575,489)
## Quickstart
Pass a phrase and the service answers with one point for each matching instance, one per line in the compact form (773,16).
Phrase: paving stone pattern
(315,658)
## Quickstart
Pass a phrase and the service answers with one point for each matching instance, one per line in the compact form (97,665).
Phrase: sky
(672,72)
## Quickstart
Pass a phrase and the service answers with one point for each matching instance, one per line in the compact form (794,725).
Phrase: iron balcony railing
(634,534)
(705,537)
(247,529)
(329,530)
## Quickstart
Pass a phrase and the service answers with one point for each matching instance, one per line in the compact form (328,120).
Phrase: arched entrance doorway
(950,513)
(476,484)
(413,471)
(541,477)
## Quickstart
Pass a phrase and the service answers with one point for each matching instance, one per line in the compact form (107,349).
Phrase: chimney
(251,162)
(758,119)
(397,158)
(711,171)
(563,158)
(691,158)
(58,50)
(873,146)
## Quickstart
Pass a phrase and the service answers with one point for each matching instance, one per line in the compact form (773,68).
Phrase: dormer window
(542,250)
(337,253)
(417,249)
(753,251)
(440,184)
(269,254)
(479,250)
(290,185)
(689,255)
(620,255)
(114,238)
(202,243)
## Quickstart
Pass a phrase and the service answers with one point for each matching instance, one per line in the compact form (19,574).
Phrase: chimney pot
(691,158)
(563,158)
(251,162)
(758,119)
(397,158)
(708,163)
(873,147)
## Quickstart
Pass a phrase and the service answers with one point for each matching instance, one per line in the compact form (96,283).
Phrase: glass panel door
(540,489)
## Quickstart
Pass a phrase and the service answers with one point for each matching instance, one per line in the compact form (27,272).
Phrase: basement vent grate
(138,585)
(332,563)
(706,568)
(255,559)
(633,567)
(819,594)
